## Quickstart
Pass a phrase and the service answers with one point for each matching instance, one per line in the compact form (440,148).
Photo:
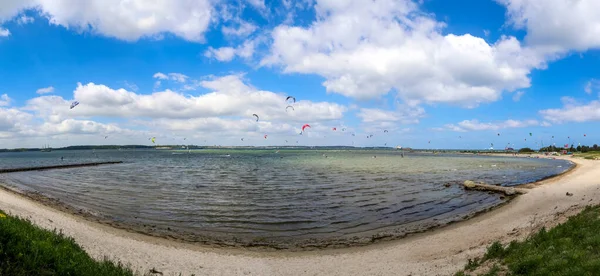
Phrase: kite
(153,139)
(256,117)
(304,127)
(385,131)
(289,106)
(74,104)
(334,129)
(292,98)
(265,136)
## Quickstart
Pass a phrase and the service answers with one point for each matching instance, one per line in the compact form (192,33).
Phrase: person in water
(62,158)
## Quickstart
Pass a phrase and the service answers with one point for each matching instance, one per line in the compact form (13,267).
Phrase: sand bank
(439,252)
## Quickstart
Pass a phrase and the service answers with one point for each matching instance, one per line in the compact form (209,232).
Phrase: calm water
(291,197)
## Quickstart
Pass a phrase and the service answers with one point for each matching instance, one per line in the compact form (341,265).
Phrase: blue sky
(434,73)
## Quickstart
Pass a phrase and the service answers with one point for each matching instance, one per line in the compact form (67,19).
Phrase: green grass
(571,248)
(26,249)
(589,155)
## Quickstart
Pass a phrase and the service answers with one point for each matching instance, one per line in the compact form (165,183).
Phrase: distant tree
(595,146)
(524,150)
(578,148)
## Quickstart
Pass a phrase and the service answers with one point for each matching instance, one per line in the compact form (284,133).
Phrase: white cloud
(475,125)
(220,54)
(126,20)
(5,100)
(366,49)
(259,4)
(45,90)
(178,77)
(72,126)
(556,25)
(225,54)
(24,19)
(160,76)
(4,32)
(573,111)
(404,115)
(230,97)
(517,96)
(591,86)
(243,30)
(12,118)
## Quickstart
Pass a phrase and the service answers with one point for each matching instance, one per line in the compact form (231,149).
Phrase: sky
(464,74)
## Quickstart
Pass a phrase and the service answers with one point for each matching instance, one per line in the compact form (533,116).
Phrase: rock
(447,185)
(469,184)
(569,194)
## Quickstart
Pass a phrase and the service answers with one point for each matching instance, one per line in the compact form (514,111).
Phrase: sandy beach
(438,252)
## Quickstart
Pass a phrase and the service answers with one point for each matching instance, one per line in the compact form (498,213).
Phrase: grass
(26,249)
(589,155)
(571,248)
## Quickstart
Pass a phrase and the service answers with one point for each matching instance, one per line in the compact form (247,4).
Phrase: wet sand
(441,251)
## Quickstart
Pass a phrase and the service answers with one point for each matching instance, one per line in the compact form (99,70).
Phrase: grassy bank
(26,249)
(589,155)
(571,248)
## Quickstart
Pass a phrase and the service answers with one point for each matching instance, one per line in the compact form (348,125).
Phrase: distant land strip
(58,167)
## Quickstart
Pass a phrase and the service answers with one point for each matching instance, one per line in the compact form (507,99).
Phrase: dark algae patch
(571,248)
(26,249)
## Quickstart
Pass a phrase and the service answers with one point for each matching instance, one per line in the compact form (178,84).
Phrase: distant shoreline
(191,146)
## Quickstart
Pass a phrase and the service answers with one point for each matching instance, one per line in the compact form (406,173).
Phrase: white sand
(439,252)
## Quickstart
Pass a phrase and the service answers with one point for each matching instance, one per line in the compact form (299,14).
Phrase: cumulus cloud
(230,97)
(45,90)
(556,25)
(475,125)
(126,20)
(573,111)
(365,50)
(11,119)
